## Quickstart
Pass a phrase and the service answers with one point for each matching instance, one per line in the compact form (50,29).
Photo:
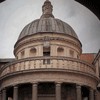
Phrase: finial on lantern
(47,9)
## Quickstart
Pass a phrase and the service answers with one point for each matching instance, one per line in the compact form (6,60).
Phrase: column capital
(58,83)
(78,86)
(16,86)
(34,83)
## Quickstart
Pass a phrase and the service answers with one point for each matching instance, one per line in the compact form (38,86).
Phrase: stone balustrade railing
(35,63)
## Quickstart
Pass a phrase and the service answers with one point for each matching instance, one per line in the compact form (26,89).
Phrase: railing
(65,63)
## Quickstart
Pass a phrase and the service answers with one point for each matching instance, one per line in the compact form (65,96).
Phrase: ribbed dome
(47,23)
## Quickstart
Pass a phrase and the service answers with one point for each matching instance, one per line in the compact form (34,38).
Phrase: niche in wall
(32,52)
(60,51)
(71,53)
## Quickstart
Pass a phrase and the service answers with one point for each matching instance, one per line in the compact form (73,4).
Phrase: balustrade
(47,62)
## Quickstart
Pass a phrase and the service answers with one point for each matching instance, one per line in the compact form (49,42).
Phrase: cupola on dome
(47,23)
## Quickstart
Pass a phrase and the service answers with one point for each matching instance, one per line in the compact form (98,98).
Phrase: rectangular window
(46,53)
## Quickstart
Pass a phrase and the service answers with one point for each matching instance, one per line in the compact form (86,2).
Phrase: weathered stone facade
(96,62)
(48,64)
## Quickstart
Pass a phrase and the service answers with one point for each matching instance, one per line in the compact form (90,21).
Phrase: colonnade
(3,93)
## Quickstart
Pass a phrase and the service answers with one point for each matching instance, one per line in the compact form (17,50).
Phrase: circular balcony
(41,63)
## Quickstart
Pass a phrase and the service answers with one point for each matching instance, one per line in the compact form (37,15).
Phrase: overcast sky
(15,14)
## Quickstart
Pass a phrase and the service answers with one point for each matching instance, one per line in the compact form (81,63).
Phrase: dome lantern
(47,9)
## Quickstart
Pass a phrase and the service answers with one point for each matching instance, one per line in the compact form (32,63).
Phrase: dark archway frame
(93,5)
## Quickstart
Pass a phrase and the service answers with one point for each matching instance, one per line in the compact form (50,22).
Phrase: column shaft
(34,91)
(4,94)
(78,92)
(91,94)
(96,95)
(58,91)
(15,93)
(0,96)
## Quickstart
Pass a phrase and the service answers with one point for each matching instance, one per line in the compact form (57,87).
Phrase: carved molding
(45,38)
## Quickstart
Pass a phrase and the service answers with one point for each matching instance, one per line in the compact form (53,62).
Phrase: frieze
(57,75)
(46,38)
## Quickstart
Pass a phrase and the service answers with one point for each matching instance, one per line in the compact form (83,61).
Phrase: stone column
(15,93)
(0,96)
(78,92)
(58,91)
(96,95)
(34,91)
(4,96)
(91,94)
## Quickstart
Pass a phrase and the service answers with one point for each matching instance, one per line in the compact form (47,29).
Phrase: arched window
(32,52)
(60,51)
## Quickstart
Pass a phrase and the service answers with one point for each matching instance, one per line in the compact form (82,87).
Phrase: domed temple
(49,64)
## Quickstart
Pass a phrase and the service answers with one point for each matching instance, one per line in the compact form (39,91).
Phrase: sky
(16,14)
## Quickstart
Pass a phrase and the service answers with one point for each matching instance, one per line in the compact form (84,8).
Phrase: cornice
(51,70)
